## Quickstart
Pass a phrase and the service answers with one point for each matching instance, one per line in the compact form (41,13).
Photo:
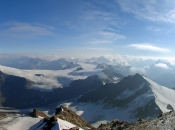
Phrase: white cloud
(141,70)
(149,47)
(162,65)
(153,10)
(26,30)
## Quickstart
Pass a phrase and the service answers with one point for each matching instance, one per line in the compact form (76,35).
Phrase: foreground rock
(166,121)
(73,118)
(37,113)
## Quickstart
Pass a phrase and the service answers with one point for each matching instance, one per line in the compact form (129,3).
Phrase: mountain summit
(136,95)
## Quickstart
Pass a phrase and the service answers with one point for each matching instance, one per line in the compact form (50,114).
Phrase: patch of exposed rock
(37,113)
(2,114)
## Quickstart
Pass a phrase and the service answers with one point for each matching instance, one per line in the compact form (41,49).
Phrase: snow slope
(163,95)
(18,122)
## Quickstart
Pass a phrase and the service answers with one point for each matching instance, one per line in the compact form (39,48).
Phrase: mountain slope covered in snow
(136,95)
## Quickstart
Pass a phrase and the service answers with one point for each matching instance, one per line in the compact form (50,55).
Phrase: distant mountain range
(124,65)
(36,63)
(59,64)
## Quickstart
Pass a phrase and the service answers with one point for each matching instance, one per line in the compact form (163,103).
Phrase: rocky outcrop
(73,118)
(37,113)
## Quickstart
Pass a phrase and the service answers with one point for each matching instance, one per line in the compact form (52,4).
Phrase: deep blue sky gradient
(88,27)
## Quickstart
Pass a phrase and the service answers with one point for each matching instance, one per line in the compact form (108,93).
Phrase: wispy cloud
(97,49)
(102,18)
(101,37)
(26,30)
(149,47)
(112,35)
(154,29)
(99,25)
(153,10)
(99,42)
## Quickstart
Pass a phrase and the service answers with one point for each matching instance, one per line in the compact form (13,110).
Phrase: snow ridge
(163,96)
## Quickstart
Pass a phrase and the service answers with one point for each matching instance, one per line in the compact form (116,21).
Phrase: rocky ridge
(166,121)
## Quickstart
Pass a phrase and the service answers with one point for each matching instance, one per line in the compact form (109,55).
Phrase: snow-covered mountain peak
(164,97)
(136,95)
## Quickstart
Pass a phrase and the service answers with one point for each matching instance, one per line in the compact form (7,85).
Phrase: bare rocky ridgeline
(166,121)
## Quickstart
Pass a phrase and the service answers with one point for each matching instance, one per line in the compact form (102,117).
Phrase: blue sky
(88,27)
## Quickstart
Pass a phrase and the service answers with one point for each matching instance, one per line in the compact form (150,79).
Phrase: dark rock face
(12,89)
(79,68)
(111,90)
(59,110)
(15,91)
(50,123)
